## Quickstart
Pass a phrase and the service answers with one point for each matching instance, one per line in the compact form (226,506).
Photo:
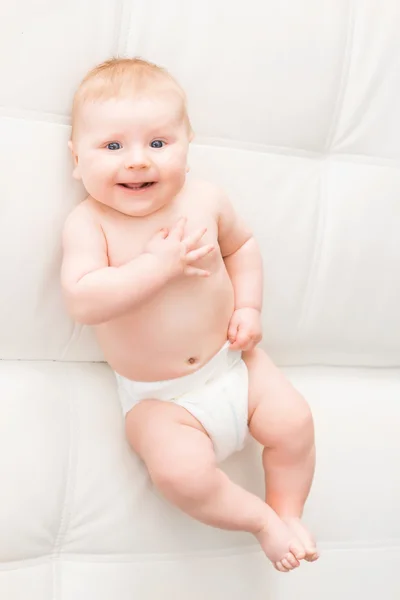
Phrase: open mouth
(137,186)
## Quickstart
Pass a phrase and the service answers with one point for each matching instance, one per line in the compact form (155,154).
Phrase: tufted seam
(376,82)
(295,152)
(125,31)
(73,339)
(70,480)
(119,23)
(38,116)
(314,266)
(326,546)
(124,27)
(344,79)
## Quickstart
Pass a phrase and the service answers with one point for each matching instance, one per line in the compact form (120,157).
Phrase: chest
(127,236)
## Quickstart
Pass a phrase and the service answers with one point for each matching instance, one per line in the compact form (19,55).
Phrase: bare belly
(173,334)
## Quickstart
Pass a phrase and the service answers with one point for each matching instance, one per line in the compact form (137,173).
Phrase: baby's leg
(280,419)
(181,462)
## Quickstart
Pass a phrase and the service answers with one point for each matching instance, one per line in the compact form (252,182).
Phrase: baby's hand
(244,332)
(175,253)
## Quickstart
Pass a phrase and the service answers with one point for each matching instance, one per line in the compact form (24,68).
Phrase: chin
(139,209)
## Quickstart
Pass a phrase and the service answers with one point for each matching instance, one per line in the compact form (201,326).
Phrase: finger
(232,332)
(194,255)
(191,240)
(192,271)
(162,234)
(249,345)
(178,229)
(242,340)
(235,346)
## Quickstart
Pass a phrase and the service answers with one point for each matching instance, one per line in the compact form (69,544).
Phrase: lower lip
(137,191)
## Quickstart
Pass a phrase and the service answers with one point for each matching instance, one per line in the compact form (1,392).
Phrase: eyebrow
(152,130)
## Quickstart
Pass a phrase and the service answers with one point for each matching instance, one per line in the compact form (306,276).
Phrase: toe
(292,560)
(312,554)
(279,566)
(286,564)
(297,550)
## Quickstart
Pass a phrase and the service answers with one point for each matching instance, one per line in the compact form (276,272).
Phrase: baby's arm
(94,291)
(242,257)
(244,265)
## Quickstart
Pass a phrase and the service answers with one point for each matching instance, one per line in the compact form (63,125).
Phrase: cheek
(99,167)
(174,165)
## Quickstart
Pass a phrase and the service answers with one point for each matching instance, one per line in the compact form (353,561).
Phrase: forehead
(143,111)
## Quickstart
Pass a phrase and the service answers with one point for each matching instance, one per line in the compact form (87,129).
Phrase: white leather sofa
(296,111)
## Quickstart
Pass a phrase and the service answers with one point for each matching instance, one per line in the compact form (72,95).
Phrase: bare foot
(304,536)
(282,548)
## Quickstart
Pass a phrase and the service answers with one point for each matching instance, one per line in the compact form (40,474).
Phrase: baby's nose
(137,159)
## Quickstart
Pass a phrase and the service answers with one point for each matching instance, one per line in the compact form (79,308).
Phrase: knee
(183,482)
(302,424)
(296,430)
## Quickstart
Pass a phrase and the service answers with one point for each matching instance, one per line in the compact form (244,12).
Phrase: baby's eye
(157,144)
(114,146)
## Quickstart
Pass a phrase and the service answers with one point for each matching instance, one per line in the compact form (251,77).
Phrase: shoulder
(82,220)
(85,212)
(213,196)
(205,186)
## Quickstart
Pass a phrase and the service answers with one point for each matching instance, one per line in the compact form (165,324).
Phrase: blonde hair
(125,77)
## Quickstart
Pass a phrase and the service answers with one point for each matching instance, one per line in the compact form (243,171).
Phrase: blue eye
(157,144)
(114,146)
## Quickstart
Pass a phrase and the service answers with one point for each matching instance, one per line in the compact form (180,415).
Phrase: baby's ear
(75,173)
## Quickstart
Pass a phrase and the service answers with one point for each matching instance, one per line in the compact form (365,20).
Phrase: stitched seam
(126,32)
(119,20)
(223,553)
(26,114)
(297,153)
(73,339)
(125,27)
(217,142)
(69,488)
(358,365)
(344,77)
(376,82)
(220,143)
(314,267)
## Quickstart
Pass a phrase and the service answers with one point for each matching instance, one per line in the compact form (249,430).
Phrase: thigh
(273,401)
(165,434)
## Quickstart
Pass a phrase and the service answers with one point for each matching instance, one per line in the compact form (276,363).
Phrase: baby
(171,279)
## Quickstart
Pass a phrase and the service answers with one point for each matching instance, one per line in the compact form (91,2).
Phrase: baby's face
(131,154)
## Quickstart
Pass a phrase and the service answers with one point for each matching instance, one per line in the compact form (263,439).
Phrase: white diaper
(216,395)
